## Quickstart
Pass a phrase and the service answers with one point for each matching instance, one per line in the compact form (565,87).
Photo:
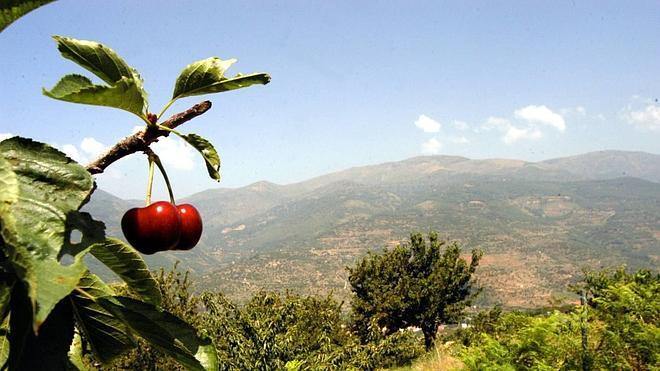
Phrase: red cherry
(156,227)
(191,227)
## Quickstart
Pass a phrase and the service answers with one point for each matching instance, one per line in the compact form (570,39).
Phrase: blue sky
(353,82)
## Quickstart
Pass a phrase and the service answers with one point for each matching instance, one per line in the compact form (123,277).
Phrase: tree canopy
(423,283)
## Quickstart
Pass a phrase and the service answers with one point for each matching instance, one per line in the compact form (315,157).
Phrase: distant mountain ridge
(538,222)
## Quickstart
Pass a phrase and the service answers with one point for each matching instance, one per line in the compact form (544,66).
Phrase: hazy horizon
(220,186)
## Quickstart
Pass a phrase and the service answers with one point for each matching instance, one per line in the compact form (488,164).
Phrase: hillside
(538,223)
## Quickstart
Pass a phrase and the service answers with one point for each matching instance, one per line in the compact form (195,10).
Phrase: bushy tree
(423,283)
(272,331)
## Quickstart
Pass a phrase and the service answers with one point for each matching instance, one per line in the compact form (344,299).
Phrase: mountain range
(538,223)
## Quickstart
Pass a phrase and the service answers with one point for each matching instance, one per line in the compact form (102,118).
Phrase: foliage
(421,284)
(620,325)
(55,315)
(273,331)
(11,10)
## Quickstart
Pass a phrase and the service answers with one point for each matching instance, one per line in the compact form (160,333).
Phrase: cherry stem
(150,181)
(155,159)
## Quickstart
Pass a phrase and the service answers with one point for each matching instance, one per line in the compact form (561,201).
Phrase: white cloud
(71,151)
(427,124)
(646,118)
(175,153)
(496,123)
(460,125)
(459,140)
(581,110)
(4,136)
(92,147)
(511,133)
(541,115)
(89,149)
(431,146)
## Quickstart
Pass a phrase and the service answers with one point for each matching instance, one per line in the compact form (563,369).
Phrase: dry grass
(436,360)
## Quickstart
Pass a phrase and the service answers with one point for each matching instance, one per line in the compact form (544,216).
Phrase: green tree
(271,331)
(421,284)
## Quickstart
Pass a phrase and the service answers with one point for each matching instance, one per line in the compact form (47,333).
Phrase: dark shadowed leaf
(165,331)
(127,263)
(108,336)
(48,349)
(20,325)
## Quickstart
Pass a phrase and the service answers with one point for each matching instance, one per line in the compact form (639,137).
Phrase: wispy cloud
(527,123)
(644,114)
(427,124)
(173,152)
(431,146)
(460,125)
(4,136)
(89,149)
(459,140)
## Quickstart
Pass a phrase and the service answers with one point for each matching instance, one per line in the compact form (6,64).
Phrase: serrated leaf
(96,58)
(207,76)
(51,187)
(208,152)
(108,336)
(11,10)
(125,94)
(165,331)
(127,263)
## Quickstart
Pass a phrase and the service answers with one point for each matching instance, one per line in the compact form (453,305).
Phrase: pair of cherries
(162,226)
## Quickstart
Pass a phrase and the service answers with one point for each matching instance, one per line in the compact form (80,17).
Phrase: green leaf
(51,187)
(208,152)
(107,336)
(170,334)
(11,10)
(125,89)
(4,345)
(96,58)
(54,282)
(129,266)
(125,94)
(93,231)
(76,353)
(8,196)
(207,76)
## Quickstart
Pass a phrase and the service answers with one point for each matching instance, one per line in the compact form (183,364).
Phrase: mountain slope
(538,223)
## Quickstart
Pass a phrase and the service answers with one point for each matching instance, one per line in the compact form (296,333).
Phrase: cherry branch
(140,141)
